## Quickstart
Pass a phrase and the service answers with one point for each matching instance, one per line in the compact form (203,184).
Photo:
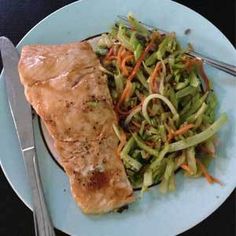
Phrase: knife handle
(42,221)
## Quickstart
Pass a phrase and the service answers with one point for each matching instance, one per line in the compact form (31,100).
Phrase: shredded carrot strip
(153,78)
(208,177)
(204,171)
(124,69)
(123,53)
(153,85)
(183,129)
(124,95)
(128,86)
(215,180)
(180,131)
(109,54)
(112,54)
(184,166)
(122,143)
(140,60)
(119,55)
(170,135)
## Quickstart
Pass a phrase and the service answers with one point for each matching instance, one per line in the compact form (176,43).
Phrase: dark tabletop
(16,18)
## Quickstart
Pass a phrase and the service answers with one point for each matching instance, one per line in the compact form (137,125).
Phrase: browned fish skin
(69,92)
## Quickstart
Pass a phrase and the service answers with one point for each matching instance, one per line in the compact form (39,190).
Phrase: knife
(22,118)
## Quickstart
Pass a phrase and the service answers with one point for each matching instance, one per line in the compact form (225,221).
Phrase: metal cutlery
(22,117)
(228,68)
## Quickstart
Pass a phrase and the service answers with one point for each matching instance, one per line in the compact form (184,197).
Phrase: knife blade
(20,108)
(22,117)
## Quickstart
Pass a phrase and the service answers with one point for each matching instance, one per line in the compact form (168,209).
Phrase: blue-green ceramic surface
(154,214)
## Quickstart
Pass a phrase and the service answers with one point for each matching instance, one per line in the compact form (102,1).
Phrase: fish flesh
(67,89)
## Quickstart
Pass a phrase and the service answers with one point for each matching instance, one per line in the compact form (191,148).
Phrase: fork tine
(149,27)
(124,18)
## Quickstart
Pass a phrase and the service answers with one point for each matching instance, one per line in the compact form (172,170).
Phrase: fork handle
(230,69)
(42,221)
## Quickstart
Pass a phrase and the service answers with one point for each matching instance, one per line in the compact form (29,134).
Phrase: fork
(228,68)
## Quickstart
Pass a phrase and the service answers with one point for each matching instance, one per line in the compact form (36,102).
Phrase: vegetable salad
(165,105)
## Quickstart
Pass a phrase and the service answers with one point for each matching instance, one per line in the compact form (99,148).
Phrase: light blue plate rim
(223,49)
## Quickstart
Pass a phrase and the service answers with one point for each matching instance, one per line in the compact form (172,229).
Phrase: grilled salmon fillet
(64,85)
